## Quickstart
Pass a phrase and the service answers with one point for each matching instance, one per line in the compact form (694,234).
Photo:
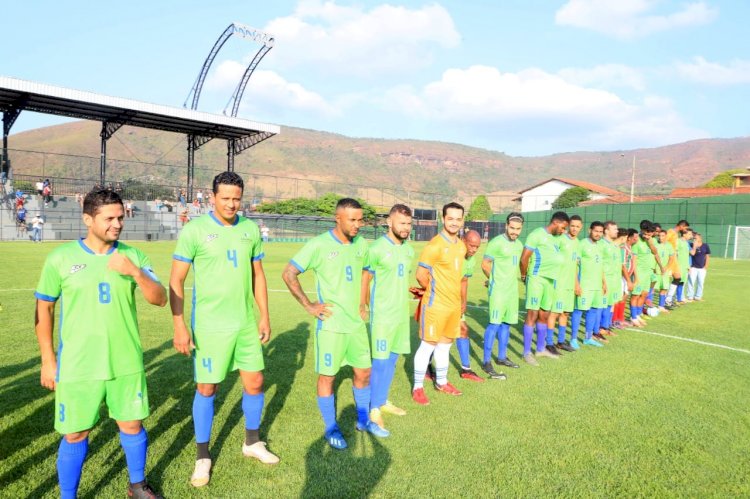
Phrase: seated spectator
(184,216)
(159,204)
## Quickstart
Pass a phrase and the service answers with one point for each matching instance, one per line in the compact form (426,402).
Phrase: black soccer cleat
(487,367)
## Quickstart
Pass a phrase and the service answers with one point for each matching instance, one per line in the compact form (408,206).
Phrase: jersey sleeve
(372,258)
(257,249)
(186,246)
(708,248)
(430,255)
(532,242)
(307,257)
(144,263)
(493,250)
(49,287)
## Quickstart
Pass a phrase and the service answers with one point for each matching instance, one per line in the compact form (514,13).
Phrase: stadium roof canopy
(22,95)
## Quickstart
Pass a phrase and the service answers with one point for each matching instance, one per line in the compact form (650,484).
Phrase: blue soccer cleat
(592,343)
(374,429)
(335,439)
(574,344)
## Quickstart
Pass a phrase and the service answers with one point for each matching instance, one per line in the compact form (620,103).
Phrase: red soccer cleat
(449,389)
(419,397)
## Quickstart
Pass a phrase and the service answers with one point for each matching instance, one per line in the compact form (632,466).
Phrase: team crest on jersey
(77,268)
(360,254)
(211,237)
(332,255)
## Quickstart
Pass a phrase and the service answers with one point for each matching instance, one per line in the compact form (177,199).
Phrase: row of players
(102,357)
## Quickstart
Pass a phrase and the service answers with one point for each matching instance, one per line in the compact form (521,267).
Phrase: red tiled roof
(692,192)
(600,189)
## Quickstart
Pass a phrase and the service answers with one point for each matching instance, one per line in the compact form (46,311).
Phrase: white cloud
(700,70)
(267,90)
(631,18)
(352,40)
(535,106)
(605,75)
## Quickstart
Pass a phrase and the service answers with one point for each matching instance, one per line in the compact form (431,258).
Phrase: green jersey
(612,260)
(592,265)
(222,257)
(469,265)
(645,260)
(569,248)
(683,254)
(338,275)
(665,251)
(390,266)
(98,327)
(545,258)
(505,256)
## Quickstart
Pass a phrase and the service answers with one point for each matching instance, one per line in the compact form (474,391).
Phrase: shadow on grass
(14,369)
(353,472)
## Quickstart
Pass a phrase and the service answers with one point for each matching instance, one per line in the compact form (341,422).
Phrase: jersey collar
(339,240)
(89,250)
(448,240)
(236,219)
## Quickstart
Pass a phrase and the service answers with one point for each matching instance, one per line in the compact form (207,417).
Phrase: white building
(541,196)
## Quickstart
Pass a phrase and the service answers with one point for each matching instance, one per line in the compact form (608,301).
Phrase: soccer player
(625,239)
(500,265)
(338,257)
(593,284)
(667,256)
(683,263)
(226,254)
(645,253)
(386,292)
(102,359)
(567,288)
(472,240)
(440,271)
(612,257)
(540,266)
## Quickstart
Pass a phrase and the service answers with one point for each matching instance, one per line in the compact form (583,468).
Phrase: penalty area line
(690,340)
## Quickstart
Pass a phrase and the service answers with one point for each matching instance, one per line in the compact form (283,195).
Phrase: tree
(724,179)
(570,198)
(324,206)
(479,210)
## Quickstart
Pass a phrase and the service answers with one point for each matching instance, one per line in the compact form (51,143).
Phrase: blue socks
(550,336)
(680,287)
(327,406)
(252,408)
(650,296)
(528,336)
(597,319)
(575,323)
(135,447)
(503,336)
(541,336)
(463,347)
(362,404)
(379,382)
(662,300)
(203,417)
(561,334)
(591,315)
(493,331)
(70,458)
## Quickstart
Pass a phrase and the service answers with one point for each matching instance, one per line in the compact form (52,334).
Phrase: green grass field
(647,415)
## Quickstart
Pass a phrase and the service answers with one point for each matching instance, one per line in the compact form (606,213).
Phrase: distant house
(742,179)
(540,197)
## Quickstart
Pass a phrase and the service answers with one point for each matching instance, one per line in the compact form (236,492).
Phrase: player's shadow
(14,369)
(353,472)
(285,355)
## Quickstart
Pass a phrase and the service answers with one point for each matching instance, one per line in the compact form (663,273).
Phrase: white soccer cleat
(258,451)
(202,473)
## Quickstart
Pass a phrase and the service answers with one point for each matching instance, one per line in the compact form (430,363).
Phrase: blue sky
(527,77)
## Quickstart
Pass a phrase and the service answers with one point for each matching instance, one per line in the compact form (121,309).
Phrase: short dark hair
(632,232)
(657,226)
(576,217)
(559,216)
(646,225)
(514,215)
(97,198)
(609,223)
(348,203)
(596,223)
(683,222)
(400,208)
(622,232)
(450,205)
(228,178)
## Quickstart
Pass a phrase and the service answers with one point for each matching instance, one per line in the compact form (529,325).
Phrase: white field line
(706,343)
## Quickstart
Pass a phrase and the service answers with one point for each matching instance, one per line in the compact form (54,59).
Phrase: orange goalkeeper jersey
(444,259)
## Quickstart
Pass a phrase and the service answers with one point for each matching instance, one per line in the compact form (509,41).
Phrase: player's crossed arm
(182,340)
(152,290)
(44,323)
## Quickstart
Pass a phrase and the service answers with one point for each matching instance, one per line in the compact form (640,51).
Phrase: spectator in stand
(118,188)
(20,199)
(79,199)
(199,197)
(196,206)
(184,216)
(39,186)
(36,225)
(159,204)
(701,254)
(182,199)
(47,192)
(264,233)
(21,221)
(129,208)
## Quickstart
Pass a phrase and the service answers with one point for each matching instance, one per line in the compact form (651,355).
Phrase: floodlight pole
(632,181)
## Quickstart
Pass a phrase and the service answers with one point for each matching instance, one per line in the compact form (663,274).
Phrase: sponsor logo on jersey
(332,255)
(211,237)
(77,267)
